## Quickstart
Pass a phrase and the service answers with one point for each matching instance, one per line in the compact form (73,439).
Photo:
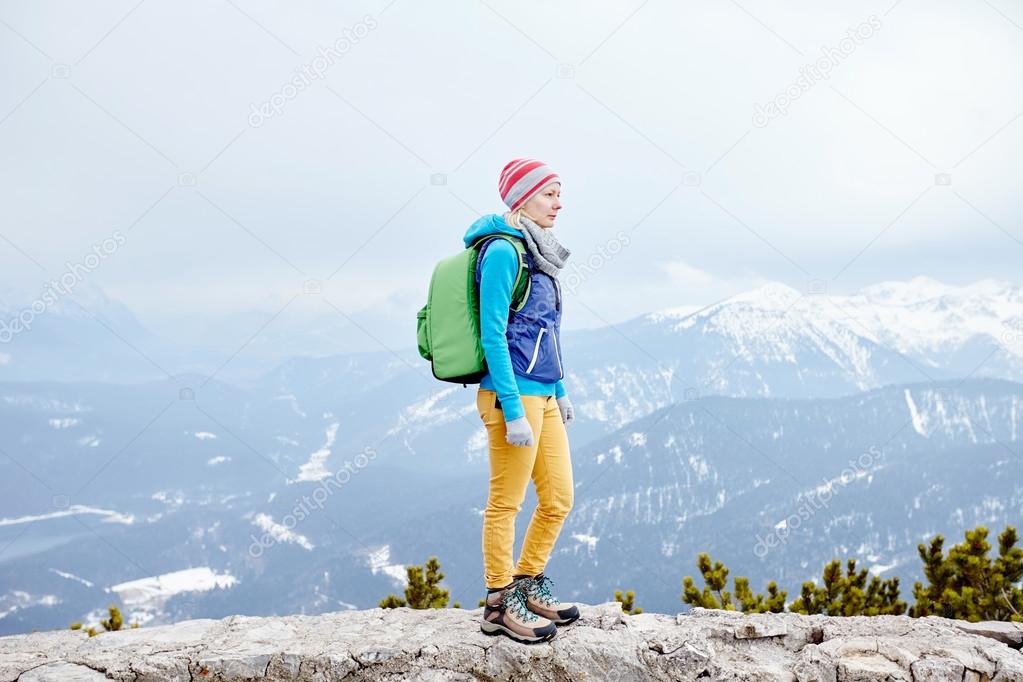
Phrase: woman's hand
(567,413)
(519,432)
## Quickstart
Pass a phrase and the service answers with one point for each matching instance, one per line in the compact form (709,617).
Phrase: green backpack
(448,326)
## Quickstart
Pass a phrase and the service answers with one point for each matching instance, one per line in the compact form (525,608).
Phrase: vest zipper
(561,370)
(536,350)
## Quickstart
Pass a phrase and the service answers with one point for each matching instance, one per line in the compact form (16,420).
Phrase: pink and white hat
(523,178)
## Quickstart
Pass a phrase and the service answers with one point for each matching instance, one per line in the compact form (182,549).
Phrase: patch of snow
(175,499)
(72,576)
(146,597)
(430,413)
(315,469)
(477,443)
(110,516)
(293,401)
(44,404)
(281,533)
(17,599)
(919,421)
(379,561)
(589,541)
(878,569)
(675,313)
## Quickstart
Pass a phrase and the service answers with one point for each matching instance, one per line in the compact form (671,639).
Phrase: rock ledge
(446,644)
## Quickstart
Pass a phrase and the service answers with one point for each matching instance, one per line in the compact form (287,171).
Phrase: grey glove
(567,413)
(519,432)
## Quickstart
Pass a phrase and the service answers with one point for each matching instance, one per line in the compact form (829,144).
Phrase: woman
(522,402)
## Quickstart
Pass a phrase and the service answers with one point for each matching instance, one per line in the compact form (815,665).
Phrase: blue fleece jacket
(498,269)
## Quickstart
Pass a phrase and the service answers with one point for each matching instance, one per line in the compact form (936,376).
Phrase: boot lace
(542,591)
(514,599)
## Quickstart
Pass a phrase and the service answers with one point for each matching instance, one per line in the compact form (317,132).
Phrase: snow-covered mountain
(279,504)
(944,327)
(689,422)
(770,341)
(777,341)
(774,488)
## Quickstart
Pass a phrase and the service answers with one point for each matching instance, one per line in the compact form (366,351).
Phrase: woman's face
(543,206)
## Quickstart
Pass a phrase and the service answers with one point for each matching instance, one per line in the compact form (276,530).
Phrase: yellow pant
(548,462)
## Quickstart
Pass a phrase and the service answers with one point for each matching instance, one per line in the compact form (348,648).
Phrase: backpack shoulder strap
(523,282)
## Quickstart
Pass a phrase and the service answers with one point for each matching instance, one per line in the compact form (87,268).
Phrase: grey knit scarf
(548,253)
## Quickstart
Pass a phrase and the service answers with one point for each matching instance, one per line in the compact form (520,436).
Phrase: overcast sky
(138,119)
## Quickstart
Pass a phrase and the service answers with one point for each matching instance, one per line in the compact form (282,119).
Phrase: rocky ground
(446,644)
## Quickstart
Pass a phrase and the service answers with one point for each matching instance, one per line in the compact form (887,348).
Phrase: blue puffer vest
(534,333)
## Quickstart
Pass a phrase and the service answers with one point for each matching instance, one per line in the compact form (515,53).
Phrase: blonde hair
(513,217)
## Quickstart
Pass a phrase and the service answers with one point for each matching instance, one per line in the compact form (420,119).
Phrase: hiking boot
(505,613)
(540,601)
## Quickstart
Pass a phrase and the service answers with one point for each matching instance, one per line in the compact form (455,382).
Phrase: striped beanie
(522,178)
